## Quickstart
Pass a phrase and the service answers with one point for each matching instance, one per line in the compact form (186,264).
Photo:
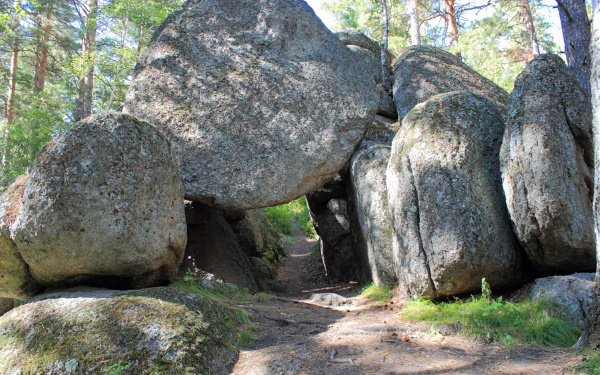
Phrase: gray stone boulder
(421,72)
(331,213)
(213,247)
(15,279)
(158,330)
(547,168)
(572,294)
(103,206)
(262,102)
(451,226)
(367,177)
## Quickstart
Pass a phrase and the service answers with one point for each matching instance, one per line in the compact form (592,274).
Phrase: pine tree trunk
(85,86)
(415,34)
(41,50)
(591,331)
(9,107)
(576,35)
(529,30)
(452,22)
(385,75)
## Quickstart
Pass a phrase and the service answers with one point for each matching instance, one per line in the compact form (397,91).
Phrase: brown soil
(294,336)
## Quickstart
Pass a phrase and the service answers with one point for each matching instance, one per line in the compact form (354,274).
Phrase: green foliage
(529,322)
(116,368)
(591,364)
(282,217)
(247,337)
(374,292)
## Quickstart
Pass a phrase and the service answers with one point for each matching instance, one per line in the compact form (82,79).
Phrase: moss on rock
(152,331)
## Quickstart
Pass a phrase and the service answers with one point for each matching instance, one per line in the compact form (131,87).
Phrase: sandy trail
(361,337)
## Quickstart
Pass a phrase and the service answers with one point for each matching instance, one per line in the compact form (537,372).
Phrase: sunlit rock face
(451,226)
(421,72)
(547,168)
(103,205)
(262,103)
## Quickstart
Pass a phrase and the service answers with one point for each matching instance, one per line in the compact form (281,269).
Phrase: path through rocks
(297,336)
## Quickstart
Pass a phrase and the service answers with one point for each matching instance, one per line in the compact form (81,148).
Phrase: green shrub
(374,292)
(528,322)
(282,217)
(591,364)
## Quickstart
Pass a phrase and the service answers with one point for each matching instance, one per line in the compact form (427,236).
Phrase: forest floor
(297,336)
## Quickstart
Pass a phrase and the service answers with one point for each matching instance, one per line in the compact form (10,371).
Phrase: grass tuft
(283,217)
(591,364)
(494,320)
(374,292)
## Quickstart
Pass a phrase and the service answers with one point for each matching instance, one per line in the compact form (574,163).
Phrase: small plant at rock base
(315,251)
(115,369)
(374,292)
(494,320)
(247,338)
(590,365)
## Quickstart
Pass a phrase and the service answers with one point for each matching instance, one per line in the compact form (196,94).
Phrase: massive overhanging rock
(261,101)
(103,205)
(547,168)
(451,226)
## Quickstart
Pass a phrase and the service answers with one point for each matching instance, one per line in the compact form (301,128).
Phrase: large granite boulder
(547,168)
(104,206)
(261,101)
(451,227)
(421,72)
(151,331)
(367,177)
(15,279)
(213,247)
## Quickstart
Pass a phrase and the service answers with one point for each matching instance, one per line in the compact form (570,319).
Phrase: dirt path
(296,336)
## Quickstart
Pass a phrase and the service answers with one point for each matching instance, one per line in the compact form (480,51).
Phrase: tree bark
(451,17)
(41,49)
(415,33)
(591,331)
(85,86)
(576,35)
(385,74)
(9,106)
(529,29)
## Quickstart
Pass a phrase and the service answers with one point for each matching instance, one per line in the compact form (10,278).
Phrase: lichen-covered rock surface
(547,168)
(103,205)
(451,226)
(367,176)
(15,279)
(421,72)
(262,102)
(151,331)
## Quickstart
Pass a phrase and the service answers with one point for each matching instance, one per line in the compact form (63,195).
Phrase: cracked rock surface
(262,103)
(451,227)
(547,168)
